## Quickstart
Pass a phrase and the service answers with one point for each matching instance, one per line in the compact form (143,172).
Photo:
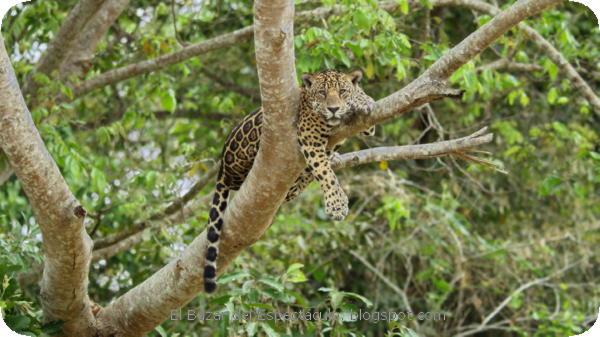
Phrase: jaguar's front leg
(300,184)
(314,150)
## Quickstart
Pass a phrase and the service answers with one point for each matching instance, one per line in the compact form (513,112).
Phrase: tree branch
(135,238)
(66,245)
(175,207)
(105,248)
(193,50)
(159,114)
(421,151)
(485,323)
(63,43)
(144,67)
(79,59)
(505,64)
(5,174)
(431,85)
(252,209)
(554,54)
(484,36)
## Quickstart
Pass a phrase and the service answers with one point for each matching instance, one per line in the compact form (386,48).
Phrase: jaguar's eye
(343,91)
(322,92)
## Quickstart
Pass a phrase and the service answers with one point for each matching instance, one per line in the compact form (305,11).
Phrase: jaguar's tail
(215,225)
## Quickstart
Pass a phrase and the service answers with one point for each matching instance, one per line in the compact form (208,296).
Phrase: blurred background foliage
(440,236)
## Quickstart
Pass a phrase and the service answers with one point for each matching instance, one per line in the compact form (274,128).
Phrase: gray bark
(67,247)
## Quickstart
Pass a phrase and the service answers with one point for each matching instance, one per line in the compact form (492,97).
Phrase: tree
(61,216)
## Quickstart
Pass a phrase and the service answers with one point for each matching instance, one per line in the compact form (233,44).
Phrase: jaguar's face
(333,94)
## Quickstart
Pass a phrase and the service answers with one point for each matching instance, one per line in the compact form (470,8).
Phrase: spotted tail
(215,225)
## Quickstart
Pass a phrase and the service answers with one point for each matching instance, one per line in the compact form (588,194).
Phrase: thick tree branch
(144,67)
(79,59)
(67,34)
(252,209)
(177,212)
(66,245)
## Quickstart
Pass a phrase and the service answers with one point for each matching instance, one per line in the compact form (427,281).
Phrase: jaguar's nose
(333,109)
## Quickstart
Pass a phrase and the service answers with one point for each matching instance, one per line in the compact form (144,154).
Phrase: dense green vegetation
(457,238)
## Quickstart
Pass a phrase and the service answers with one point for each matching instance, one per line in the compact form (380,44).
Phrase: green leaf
(293,267)
(251,329)
(552,95)
(336,299)
(550,186)
(524,100)
(297,277)
(366,301)
(161,331)
(361,19)
(272,283)
(233,277)
(168,100)
(98,180)
(268,330)
(403,6)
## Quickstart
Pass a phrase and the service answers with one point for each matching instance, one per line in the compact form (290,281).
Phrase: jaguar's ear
(307,80)
(355,76)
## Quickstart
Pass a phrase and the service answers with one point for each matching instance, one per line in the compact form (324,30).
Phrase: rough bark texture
(71,51)
(67,34)
(80,58)
(66,245)
(5,174)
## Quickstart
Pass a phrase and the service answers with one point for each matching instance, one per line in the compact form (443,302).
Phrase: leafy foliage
(456,237)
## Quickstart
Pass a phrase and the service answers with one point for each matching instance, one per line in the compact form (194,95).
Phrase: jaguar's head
(335,95)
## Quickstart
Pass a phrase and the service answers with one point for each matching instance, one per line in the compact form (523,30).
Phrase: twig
(174,207)
(176,31)
(522,288)
(387,281)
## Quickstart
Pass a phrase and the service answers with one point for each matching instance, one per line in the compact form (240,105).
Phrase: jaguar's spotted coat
(326,100)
